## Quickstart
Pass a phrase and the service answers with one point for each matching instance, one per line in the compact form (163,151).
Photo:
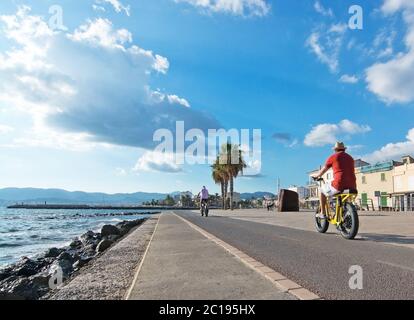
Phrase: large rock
(126,226)
(103,245)
(53,253)
(108,230)
(76,244)
(20,289)
(90,238)
(26,267)
(65,256)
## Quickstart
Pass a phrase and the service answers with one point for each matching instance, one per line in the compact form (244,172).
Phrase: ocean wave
(10,245)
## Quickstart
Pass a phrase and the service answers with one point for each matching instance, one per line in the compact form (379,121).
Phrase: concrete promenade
(182,264)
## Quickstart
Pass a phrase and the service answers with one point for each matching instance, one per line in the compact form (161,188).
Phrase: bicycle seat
(350,191)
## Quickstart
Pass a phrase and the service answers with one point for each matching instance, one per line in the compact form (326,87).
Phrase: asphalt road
(320,263)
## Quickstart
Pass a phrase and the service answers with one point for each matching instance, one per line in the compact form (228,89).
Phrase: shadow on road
(388,238)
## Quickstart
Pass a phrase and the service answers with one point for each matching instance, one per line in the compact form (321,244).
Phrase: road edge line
(280,281)
(138,270)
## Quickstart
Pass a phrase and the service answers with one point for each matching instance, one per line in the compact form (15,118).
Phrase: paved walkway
(182,264)
(394,228)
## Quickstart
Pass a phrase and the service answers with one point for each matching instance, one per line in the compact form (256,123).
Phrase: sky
(84,85)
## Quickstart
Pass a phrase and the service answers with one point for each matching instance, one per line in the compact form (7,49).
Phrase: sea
(28,232)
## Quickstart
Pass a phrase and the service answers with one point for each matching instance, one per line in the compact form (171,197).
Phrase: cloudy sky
(80,100)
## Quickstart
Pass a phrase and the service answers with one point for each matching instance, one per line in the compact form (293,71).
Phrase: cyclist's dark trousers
(203,201)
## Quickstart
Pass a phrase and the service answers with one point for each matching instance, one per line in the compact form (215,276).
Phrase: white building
(303,192)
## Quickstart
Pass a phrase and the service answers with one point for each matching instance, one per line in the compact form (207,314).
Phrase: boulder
(90,238)
(65,256)
(103,245)
(20,289)
(108,230)
(76,243)
(112,238)
(26,267)
(53,253)
(126,226)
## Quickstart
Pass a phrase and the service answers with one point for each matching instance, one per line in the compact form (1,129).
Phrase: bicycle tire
(350,217)
(322,225)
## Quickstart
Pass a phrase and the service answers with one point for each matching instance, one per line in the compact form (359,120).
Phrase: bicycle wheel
(322,225)
(349,228)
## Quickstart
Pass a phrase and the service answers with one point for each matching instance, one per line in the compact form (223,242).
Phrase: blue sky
(78,107)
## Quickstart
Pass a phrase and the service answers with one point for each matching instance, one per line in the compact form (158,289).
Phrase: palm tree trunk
(231,193)
(222,194)
(225,194)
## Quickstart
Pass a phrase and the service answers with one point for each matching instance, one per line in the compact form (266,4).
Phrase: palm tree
(231,159)
(220,176)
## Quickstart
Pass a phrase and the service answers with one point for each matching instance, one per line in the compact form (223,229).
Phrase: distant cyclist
(204,195)
(343,166)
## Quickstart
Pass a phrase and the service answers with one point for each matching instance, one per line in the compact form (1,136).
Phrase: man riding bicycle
(203,194)
(343,166)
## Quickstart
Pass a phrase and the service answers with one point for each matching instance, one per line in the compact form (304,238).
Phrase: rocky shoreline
(33,279)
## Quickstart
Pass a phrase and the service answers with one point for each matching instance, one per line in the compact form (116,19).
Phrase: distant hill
(256,195)
(10,196)
(33,195)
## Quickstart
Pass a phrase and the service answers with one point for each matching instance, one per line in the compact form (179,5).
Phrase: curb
(134,281)
(280,281)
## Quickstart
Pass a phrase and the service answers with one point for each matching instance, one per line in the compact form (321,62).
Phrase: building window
(364,180)
(328,176)
(383,177)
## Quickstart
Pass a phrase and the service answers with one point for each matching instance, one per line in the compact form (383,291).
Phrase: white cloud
(92,83)
(393,151)
(174,99)
(117,5)
(98,8)
(101,32)
(322,10)
(236,7)
(326,44)
(393,81)
(327,133)
(392,6)
(157,161)
(5,129)
(351,79)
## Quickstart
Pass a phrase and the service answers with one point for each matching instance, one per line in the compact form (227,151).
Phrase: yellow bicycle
(341,212)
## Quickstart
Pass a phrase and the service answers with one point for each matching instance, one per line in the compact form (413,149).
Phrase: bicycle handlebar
(318,179)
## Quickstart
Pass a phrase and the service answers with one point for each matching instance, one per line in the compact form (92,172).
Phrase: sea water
(26,232)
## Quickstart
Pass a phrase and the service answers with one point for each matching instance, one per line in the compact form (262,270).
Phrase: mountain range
(58,196)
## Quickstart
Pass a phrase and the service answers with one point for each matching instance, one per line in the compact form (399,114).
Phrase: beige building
(375,185)
(403,195)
